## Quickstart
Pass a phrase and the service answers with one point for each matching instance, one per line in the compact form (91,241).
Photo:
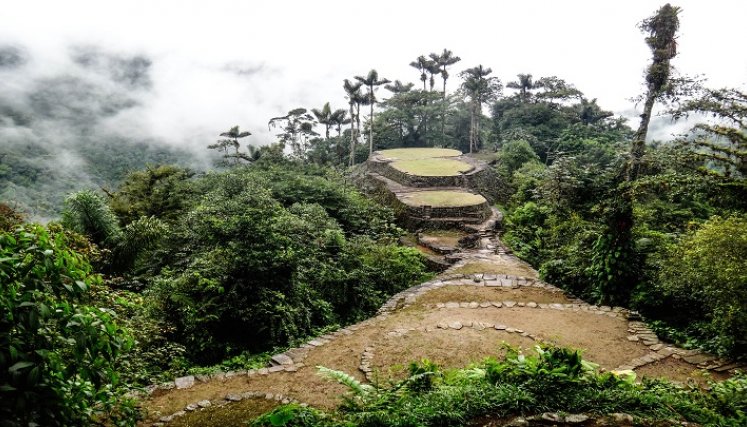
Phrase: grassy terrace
(443,199)
(432,167)
(418,153)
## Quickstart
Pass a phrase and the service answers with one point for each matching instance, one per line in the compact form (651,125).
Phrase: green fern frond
(358,388)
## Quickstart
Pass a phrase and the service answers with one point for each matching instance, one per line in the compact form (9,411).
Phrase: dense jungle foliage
(168,270)
(196,270)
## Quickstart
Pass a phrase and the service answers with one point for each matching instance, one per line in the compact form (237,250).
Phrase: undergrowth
(552,380)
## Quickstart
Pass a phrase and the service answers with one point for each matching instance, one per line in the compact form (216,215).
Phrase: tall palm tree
(324,117)
(339,118)
(355,98)
(525,84)
(399,87)
(432,68)
(421,64)
(371,81)
(445,59)
(231,140)
(479,88)
(298,128)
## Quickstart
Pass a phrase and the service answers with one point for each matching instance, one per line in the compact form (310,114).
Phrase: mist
(83,79)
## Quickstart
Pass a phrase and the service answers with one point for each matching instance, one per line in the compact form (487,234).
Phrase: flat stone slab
(185,382)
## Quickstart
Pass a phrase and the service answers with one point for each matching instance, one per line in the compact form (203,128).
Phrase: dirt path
(488,299)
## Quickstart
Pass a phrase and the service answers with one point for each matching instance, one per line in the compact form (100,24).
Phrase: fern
(364,391)
(138,236)
(87,213)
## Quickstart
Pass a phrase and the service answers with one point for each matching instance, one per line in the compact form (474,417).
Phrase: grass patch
(432,167)
(419,153)
(442,199)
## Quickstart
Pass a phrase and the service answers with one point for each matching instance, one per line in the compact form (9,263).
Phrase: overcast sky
(216,63)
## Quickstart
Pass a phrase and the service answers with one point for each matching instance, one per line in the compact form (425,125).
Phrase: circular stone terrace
(432,184)
(445,199)
(417,153)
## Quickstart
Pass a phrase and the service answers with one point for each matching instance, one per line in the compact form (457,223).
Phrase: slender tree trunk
(326,131)
(639,139)
(352,136)
(370,126)
(425,123)
(472,127)
(443,113)
(478,122)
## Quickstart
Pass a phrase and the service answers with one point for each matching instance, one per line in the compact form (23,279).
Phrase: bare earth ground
(679,370)
(418,331)
(498,265)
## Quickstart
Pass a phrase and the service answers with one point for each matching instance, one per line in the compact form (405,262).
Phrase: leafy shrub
(254,268)
(527,230)
(57,350)
(706,271)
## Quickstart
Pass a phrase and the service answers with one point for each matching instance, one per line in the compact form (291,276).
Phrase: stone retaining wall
(481,178)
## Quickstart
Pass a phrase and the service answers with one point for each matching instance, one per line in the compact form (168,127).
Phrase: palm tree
(338,118)
(421,64)
(445,59)
(432,68)
(399,87)
(479,88)
(299,126)
(232,140)
(355,98)
(525,85)
(371,80)
(324,117)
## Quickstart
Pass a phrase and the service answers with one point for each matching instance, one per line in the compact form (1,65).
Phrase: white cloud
(296,53)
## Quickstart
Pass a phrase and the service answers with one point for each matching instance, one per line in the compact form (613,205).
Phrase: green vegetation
(432,167)
(254,258)
(657,227)
(443,199)
(59,342)
(166,271)
(553,380)
(418,153)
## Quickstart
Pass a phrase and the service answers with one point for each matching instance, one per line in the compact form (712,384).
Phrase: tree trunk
(370,125)
(443,114)
(472,127)
(639,139)
(352,137)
